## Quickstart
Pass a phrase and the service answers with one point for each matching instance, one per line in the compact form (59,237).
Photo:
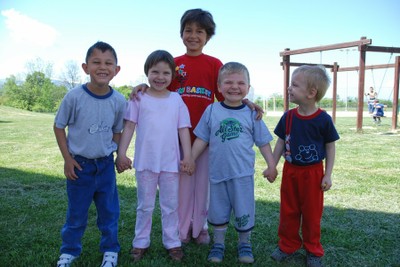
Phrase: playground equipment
(364,45)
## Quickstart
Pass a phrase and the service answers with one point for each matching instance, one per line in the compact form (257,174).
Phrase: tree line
(40,94)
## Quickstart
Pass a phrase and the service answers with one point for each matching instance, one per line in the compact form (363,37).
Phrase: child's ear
(117,69)
(84,67)
(313,92)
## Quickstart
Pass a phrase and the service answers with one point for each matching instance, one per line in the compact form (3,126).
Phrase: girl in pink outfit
(160,117)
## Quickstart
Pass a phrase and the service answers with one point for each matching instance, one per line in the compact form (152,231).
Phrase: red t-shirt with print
(196,82)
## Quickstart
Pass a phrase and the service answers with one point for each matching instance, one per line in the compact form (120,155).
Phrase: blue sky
(252,32)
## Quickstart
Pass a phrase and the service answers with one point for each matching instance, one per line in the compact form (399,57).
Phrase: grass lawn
(360,225)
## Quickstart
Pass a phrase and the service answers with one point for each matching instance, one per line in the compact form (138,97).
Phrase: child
(160,116)
(231,130)
(93,113)
(378,112)
(371,95)
(196,82)
(306,137)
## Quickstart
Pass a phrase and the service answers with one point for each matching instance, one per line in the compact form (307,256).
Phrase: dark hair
(103,47)
(159,56)
(203,18)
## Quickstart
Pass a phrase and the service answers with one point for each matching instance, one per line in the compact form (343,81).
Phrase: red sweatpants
(301,204)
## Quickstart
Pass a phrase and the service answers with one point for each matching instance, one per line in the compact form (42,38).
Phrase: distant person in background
(378,112)
(93,113)
(371,95)
(307,137)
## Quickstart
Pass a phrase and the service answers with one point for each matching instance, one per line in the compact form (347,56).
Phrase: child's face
(159,76)
(234,87)
(101,67)
(298,91)
(194,38)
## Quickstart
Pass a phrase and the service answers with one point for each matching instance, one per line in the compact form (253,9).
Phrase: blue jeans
(96,182)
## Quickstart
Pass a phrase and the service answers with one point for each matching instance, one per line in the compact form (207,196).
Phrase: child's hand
(123,163)
(270,174)
(69,168)
(188,166)
(138,88)
(326,183)
(254,106)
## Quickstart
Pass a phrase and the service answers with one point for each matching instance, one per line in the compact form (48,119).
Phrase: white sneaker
(110,259)
(65,260)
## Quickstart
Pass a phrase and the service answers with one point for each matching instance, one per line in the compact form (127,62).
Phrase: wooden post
(361,80)
(334,94)
(395,110)
(286,76)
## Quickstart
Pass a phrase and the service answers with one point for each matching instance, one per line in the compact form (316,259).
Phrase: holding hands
(188,166)
(270,174)
(123,163)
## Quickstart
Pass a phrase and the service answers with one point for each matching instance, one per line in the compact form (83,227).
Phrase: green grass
(360,225)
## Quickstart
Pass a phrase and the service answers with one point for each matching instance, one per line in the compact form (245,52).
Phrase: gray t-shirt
(231,134)
(92,120)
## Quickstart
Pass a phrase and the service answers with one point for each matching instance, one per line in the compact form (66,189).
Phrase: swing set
(364,45)
(383,78)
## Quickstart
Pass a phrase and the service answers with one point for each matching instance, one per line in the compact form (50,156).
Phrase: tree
(125,90)
(37,93)
(71,75)
(10,89)
(39,65)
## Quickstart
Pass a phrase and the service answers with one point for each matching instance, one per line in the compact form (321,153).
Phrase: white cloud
(24,29)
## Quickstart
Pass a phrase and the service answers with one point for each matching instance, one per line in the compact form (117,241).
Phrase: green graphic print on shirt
(242,221)
(229,128)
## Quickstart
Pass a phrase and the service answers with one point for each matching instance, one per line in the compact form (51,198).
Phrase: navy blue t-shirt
(305,137)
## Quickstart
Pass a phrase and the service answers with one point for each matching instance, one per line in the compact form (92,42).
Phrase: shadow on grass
(33,208)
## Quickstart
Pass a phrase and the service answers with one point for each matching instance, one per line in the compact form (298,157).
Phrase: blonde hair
(316,77)
(233,67)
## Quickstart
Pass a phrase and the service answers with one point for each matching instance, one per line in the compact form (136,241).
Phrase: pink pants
(194,198)
(168,184)
(302,201)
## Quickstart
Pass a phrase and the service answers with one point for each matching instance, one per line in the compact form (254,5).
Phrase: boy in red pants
(306,137)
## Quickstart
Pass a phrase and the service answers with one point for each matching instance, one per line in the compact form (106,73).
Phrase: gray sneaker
(245,253)
(313,261)
(280,256)
(216,253)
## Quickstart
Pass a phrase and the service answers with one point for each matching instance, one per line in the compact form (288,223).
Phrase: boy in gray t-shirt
(93,113)
(231,130)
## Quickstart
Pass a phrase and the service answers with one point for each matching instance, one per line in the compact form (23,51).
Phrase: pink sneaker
(203,238)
